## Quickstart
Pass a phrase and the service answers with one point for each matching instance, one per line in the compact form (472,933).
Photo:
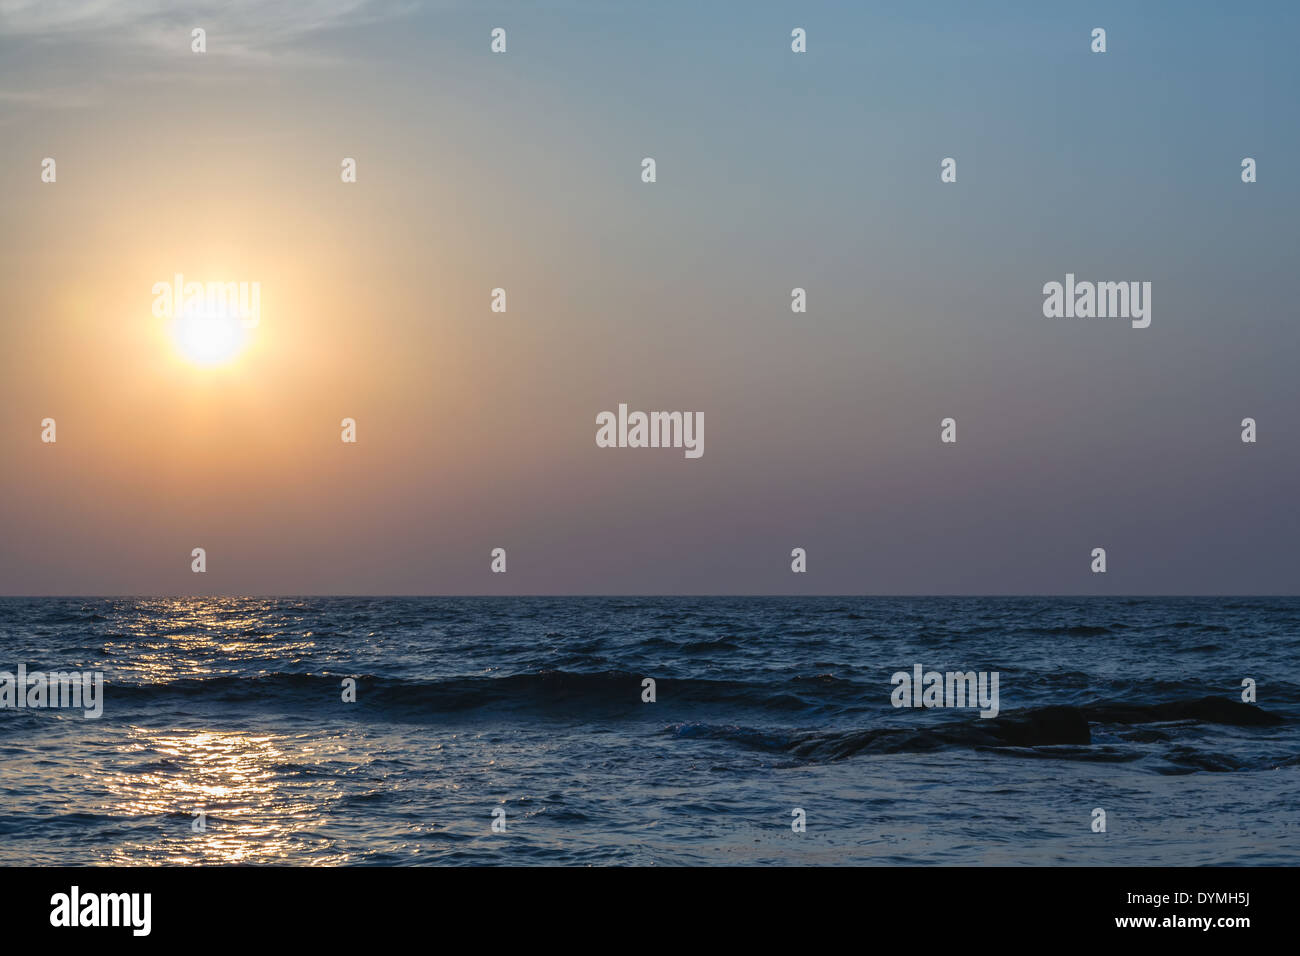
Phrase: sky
(774,170)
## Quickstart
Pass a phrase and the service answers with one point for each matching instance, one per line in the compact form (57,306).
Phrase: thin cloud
(138,37)
(234,27)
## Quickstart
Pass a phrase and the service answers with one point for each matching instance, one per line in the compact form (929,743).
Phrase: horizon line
(255,596)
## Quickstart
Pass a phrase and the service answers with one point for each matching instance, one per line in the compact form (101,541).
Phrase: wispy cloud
(50,97)
(132,40)
(234,27)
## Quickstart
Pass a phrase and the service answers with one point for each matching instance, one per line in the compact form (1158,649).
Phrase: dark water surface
(464,705)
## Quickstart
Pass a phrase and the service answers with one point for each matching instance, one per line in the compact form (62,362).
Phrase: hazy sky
(522,170)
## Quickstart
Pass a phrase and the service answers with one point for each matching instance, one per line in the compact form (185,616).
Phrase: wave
(1056,726)
(1210,710)
(615,691)
(577,691)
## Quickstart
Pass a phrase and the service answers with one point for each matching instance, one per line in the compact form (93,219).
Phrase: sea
(653,731)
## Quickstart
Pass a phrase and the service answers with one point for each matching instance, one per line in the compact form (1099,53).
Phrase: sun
(209,334)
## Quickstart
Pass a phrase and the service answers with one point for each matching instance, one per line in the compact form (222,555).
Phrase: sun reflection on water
(199,638)
(253,814)
(253,787)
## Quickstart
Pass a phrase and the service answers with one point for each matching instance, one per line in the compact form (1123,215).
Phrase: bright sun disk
(209,336)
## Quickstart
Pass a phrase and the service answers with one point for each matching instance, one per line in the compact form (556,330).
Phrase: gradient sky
(775,170)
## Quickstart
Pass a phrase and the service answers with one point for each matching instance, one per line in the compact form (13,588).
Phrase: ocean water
(533,706)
